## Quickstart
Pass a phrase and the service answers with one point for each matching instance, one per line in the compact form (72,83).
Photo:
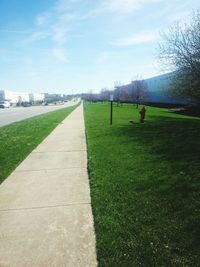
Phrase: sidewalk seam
(60,151)
(50,169)
(47,207)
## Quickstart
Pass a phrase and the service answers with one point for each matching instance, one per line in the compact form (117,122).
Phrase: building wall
(14,97)
(52,97)
(157,90)
(2,96)
(34,97)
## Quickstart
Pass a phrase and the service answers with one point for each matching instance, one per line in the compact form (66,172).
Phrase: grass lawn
(145,186)
(18,139)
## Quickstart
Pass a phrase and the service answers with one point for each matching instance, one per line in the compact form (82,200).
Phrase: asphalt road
(13,114)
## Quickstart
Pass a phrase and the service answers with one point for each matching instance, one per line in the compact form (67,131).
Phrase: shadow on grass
(145,182)
(172,187)
(168,138)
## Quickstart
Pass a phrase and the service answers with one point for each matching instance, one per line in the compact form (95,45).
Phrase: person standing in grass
(142,114)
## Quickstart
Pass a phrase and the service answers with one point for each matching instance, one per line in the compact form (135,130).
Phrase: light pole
(111,108)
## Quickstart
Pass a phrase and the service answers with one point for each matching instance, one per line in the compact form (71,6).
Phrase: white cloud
(181,16)
(117,6)
(32,74)
(43,18)
(60,54)
(103,57)
(59,34)
(36,36)
(15,31)
(57,21)
(61,28)
(124,6)
(140,38)
(65,5)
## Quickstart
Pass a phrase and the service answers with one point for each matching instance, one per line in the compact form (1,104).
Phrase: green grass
(18,139)
(145,181)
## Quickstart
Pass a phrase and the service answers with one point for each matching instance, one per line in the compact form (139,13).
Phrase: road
(13,114)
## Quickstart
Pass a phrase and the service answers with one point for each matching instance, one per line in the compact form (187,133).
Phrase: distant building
(14,97)
(19,97)
(36,97)
(157,87)
(52,97)
(160,82)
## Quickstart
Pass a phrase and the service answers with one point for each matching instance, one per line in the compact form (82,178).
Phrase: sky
(74,46)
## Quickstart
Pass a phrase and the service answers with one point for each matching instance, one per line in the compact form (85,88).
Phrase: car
(26,104)
(4,104)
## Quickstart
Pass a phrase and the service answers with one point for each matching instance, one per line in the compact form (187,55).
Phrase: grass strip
(145,186)
(18,139)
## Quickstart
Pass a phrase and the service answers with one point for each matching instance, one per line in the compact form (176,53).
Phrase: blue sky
(82,45)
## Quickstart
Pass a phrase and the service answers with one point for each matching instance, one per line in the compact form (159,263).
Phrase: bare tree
(139,91)
(90,96)
(180,52)
(123,96)
(117,91)
(104,94)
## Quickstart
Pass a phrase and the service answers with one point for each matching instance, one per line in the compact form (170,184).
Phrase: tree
(139,91)
(180,51)
(105,94)
(90,96)
(117,89)
(120,94)
(123,96)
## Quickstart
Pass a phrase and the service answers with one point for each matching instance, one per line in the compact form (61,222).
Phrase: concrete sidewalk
(45,210)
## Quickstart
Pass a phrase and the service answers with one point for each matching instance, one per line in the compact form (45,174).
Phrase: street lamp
(111,108)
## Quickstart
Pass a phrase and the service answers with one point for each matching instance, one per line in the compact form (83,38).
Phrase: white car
(4,104)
